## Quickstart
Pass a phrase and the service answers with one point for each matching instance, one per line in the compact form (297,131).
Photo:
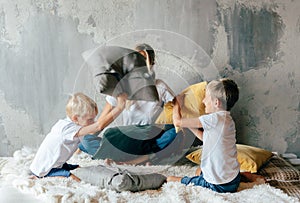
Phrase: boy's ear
(218,103)
(74,118)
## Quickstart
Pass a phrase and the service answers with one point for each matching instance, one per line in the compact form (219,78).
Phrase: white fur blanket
(14,174)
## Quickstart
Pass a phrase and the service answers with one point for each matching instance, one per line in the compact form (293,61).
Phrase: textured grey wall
(254,42)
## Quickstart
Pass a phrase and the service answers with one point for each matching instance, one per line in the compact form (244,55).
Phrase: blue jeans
(63,171)
(167,137)
(222,188)
(90,144)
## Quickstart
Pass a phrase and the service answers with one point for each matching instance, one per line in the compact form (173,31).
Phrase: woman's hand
(177,110)
(180,99)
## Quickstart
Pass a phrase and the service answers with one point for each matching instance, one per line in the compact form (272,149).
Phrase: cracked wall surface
(254,42)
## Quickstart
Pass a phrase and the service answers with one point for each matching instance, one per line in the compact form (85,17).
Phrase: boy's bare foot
(173,179)
(198,171)
(75,178)
(78,151)
(250,177)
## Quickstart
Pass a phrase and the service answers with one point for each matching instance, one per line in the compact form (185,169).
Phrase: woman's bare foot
(109,162)
(173,179)
(148,163)
(33,177)
(138,161)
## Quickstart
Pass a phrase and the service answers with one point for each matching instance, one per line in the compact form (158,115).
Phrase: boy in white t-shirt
(64,137)
(220,169)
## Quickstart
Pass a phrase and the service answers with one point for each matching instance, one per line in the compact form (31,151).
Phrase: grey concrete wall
(254,42)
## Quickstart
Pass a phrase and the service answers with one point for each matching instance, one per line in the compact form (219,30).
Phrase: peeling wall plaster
(17,128)
(268,109)
(41,65)
(254,36)
(41,44)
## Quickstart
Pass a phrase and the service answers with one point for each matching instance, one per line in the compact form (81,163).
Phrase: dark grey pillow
(119,180)
(118,69)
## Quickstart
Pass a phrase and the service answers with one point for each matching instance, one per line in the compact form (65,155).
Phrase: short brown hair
(226,90)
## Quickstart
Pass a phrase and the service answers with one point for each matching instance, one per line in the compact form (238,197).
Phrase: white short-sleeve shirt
(144,112)
(219,156)
(57,147)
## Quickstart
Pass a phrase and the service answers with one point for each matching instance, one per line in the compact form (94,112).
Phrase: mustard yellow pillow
(165,116)
(192,106)
(250,158)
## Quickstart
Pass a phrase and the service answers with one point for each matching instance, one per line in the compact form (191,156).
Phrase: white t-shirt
(57,147)
(219,162)
(144,112)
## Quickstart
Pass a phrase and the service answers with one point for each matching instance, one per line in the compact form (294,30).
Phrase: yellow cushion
(165,116)
(193,106)
(250,158)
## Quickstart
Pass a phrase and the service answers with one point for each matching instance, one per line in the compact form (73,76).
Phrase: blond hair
(80,105)
(225,90)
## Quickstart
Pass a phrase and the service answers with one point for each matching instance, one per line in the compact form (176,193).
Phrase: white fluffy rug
(14,174)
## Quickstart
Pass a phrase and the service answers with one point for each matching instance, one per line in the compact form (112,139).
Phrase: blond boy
(63,139)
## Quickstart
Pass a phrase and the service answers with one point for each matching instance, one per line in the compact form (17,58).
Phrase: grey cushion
(118,69)
(118,180)
(135,182)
